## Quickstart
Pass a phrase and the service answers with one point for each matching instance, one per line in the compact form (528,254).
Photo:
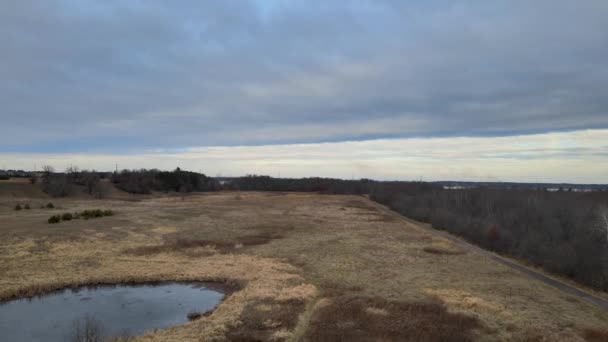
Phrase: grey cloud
(162,74)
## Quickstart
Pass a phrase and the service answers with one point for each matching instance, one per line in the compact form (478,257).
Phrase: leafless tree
(56,185)
(47,171)
(90,179)
(603,220)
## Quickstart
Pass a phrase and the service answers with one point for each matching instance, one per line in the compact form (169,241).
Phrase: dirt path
(560,285)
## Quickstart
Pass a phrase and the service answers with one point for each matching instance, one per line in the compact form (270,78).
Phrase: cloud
(100,76)
(577,157)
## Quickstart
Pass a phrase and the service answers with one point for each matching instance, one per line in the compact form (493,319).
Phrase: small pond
(120,310)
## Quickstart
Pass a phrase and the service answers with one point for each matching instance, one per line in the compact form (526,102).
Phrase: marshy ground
(307,267)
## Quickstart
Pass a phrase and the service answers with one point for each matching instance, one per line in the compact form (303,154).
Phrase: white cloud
(578,157)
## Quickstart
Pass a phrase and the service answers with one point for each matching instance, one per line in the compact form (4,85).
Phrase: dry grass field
(305,267)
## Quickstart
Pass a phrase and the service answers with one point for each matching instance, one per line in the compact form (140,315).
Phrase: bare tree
(90,179)
(47,171)
(56,185)
(603,220)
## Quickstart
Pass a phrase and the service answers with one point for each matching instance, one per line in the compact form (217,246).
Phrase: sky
(435,90)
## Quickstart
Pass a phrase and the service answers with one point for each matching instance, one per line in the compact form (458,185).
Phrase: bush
(50,205)
(194,315)
(18,207)
(66,217)
(94,213)
(54,219)
(76,216)
(27,207)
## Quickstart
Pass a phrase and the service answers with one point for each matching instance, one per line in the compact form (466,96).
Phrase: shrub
(18,207)
(66,217)
(50,205)
(27,207)
(94,213)
(194,315)
(54,219)
(76,216)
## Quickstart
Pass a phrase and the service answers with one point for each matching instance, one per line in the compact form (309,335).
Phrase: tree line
(313,184)
(144,181)
(60,184)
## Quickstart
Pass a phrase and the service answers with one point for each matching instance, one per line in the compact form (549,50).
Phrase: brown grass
(289,253)
(372,319)
(184,245)
(267,320)
(443,247)
(439,250)
(595,334)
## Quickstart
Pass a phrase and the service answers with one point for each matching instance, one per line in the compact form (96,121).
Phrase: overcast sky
(383,89)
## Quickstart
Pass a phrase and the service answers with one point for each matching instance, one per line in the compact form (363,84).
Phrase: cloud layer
(575,157)
(100,76)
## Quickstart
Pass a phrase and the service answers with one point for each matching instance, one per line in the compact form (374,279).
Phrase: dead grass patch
(373,319)
(266,320)
(334,289)
(361,205)
(443,248)
(204,247)
(464,300)
(441,251)
(595,335)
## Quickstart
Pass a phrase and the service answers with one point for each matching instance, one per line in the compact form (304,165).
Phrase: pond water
(120,310)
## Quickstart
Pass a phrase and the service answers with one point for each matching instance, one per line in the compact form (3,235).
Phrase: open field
(306,267)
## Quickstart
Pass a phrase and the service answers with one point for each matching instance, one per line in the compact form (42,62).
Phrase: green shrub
(66,217)
(94,213)
(50,205)
(27,207)
(54,219)
(18,207)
